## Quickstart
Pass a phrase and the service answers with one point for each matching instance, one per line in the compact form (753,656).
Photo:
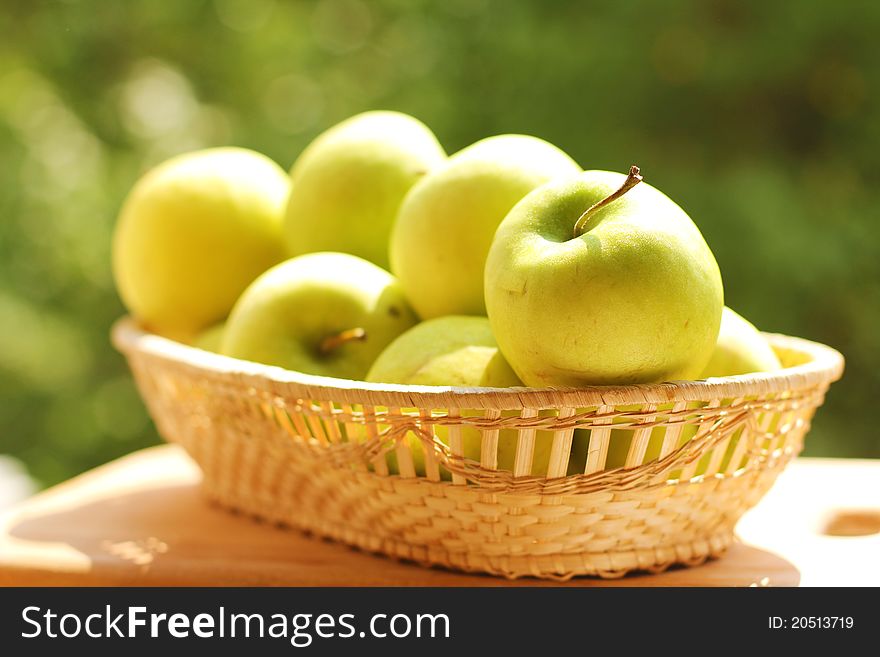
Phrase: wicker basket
(313,453)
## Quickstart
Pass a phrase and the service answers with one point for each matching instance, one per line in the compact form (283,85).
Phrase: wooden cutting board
(142,521)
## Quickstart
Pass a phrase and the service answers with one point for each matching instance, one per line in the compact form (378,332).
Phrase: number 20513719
(811,623)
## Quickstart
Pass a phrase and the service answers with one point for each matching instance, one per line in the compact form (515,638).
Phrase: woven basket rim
(824,367)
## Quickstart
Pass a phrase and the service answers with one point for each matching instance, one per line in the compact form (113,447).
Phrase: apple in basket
(347,185)
(447,220)
(739,349)
(329,314)
(598,279)
(457,351)
(192,235)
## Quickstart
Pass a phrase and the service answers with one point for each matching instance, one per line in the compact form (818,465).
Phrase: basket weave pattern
(313,453)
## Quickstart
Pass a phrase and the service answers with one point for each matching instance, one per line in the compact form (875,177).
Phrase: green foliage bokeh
(760,119)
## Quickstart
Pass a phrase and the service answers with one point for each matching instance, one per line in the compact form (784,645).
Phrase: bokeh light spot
(156,99)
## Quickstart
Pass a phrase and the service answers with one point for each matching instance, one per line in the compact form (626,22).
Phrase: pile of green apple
(379,258)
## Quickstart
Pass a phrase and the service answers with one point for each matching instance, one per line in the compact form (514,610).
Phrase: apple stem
(633,179)
(333,342)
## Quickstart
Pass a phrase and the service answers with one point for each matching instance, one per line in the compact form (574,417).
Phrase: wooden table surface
(141,521)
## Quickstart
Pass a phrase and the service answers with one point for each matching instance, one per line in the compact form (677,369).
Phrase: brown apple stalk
(633,179)
(333,342)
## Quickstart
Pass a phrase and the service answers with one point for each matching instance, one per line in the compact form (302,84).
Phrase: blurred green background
(759,118)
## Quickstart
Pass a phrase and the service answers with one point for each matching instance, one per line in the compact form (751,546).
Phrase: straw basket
(314,453)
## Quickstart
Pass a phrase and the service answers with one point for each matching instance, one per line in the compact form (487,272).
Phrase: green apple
(740,349)
(194,232)
(211,339)
(446,351)
(347,185)
(620,441)
(456,351)
(447,220)
(600,280)
(329,314)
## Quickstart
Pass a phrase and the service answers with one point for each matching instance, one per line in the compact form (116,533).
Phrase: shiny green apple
(600,280)
(329,314)
(347,185)
(447,220)
(446,351)
(456,351)
(193,233)
(740,349)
